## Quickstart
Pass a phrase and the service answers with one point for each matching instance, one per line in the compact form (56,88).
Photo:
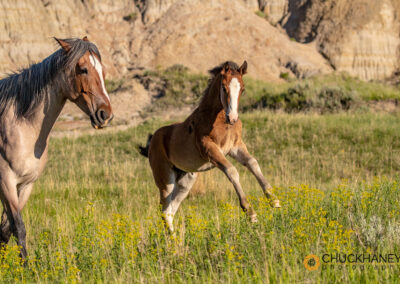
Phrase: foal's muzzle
(231,119)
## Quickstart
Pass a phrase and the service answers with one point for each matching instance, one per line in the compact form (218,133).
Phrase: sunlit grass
(94,215)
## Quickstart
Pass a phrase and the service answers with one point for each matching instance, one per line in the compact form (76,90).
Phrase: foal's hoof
(253,218)
(275,204)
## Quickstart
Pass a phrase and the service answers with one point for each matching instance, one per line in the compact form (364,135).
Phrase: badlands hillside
(278,38)
(303,37)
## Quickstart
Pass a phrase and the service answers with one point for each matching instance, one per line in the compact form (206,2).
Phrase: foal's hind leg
(165,178)
(241,154)
(173,190)
(183,185)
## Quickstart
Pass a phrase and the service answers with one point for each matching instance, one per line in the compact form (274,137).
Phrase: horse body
(30,103)
(213,131)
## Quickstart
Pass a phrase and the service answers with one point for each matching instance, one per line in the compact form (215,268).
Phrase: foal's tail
(145,150)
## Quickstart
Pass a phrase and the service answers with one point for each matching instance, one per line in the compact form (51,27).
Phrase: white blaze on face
(97,65)
(234,89)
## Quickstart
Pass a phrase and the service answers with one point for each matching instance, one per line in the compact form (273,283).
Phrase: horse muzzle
(100,119)
(231,118)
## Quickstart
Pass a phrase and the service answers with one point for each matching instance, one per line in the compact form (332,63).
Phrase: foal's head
(86,75)
(232,87)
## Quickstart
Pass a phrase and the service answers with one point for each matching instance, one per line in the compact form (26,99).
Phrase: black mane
(27,88)
(217,70)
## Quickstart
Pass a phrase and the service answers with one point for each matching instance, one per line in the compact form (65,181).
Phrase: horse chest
(227,146)
(225,140)
(23,161)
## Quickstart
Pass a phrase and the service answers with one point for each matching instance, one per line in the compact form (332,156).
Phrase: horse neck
(46,114)
(211,102)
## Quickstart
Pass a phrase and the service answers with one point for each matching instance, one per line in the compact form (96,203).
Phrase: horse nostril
(101,116)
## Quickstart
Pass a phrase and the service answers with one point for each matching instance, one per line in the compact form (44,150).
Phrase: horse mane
(27,88)
(217,70)
(214,75)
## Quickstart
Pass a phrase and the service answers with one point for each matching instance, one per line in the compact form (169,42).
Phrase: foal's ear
(225,68)
(64,45)
(85,38)
(243,68)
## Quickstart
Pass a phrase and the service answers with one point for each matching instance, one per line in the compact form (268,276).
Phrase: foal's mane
(27,88)
(215,72)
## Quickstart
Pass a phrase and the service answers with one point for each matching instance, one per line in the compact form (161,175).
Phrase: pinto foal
(213,131)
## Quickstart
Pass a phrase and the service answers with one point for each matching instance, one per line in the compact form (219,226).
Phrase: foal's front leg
(216,157)
(241,154)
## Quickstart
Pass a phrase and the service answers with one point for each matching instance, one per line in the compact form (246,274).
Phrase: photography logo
(311,262)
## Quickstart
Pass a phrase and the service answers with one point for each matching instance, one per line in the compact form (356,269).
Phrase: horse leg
(164,178)
(183,185)
(9,197)
(218,159)
(5,229)
(24,191)
(241,154)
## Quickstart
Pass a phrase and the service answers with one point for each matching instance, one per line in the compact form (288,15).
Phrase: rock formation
(361,37)
(209,34)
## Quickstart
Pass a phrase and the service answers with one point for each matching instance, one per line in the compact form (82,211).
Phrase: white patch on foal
(97,65)
(234,88)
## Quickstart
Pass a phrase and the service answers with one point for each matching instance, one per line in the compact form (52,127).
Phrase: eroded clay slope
(202,34)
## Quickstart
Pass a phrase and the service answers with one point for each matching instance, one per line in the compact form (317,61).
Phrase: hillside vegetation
(177,87)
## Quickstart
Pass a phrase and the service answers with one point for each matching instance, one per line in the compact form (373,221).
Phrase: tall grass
(94,215)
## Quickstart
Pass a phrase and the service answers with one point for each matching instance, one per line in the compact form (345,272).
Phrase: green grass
(178,87)
(93,215)
(114,85)
(323,93)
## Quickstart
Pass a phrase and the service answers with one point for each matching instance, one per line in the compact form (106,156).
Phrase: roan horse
(176,152)
(30,102)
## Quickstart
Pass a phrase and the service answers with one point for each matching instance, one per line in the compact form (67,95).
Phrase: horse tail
(145,150)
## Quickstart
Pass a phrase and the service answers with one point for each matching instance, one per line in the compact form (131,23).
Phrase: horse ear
(64,45)
(85,38)
(225,68)
(243,68)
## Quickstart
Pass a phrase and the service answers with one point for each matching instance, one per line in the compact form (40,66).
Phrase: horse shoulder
(19,151)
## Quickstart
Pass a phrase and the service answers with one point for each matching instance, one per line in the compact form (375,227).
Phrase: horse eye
(83,71)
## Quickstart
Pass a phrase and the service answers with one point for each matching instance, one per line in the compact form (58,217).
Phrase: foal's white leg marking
(97,65)
(233,176)
(167,210)
(241,155)
(234,88)
(182,189)
(167,207)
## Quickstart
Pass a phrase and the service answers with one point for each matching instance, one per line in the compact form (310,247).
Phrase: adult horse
(176,152)
(30,102)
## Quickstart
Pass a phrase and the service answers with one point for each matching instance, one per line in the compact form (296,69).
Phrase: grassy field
(94,216)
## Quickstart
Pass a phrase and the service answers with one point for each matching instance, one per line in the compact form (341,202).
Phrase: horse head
(87,76)
(232,87)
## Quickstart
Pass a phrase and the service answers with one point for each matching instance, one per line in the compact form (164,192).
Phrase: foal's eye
(83,71)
